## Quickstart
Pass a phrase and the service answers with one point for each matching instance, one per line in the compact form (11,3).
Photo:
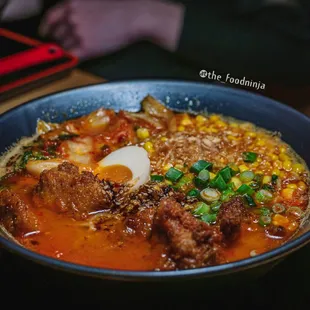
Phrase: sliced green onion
(201,209)
(254,185)
(246,176)
(296,211)
(249,157)
(250,201)
(245,189)
(264,211)
(264,220)
(215,206)
(219,183)
(258,178)
(157,178)
(227,194)
(268,187)
(234,169)
(185,180)
(174,175)
(202,180)
(278,208)
(193,193)
(263,196)
(274,179)
(200,165)
(209,218)
(210,195)
(225,173)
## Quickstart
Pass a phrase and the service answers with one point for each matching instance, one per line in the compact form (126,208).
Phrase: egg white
(133,157)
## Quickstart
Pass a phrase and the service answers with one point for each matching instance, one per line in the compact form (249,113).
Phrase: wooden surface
(75,79)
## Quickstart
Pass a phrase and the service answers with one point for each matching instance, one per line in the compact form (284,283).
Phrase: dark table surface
(285,286)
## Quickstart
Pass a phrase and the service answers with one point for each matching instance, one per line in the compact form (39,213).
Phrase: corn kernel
(260,142)
(243,168)
(164,139)
(212,175)
(274,157)
(251,134)
(186,121)
(214,118)
(259,160)
(167,167)
(220,124)
(287,193)
(234,125)
(246,126)
(181,128)
(200,119)
(282,149)
(279,219)
(143,133)
(213,130)
(292,185)
(266,179)
(278,164)
(276,172)
(298,168)
(236,181)
(287,165)
(148,146)
(302,186)
(284,157)
(292,226)
(255,164)
(232,138)
(282,174)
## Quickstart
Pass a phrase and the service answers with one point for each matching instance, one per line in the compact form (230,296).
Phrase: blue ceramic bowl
(178,95)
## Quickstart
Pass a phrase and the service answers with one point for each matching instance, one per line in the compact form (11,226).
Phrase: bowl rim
(129,275)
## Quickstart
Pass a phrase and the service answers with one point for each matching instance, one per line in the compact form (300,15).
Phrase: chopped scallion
(234,169)
(264,220)
(200,165)
(201,209)
(201,181)
(245,189)
(250,201)
(157,178)
(210,195)
(227,194)
(246,176)
(249,157)
(174,175)
(263,196)
(209,218)
(225,173)
(193,193)
(219,183)
(278,208)
(274,179)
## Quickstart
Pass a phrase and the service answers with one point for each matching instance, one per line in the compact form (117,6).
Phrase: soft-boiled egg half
(129,164)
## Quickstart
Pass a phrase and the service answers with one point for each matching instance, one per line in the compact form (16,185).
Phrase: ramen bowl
(180,96)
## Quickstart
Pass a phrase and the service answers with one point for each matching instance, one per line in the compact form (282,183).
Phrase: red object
(38,53)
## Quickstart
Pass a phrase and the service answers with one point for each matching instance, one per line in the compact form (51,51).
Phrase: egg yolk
(115,173)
